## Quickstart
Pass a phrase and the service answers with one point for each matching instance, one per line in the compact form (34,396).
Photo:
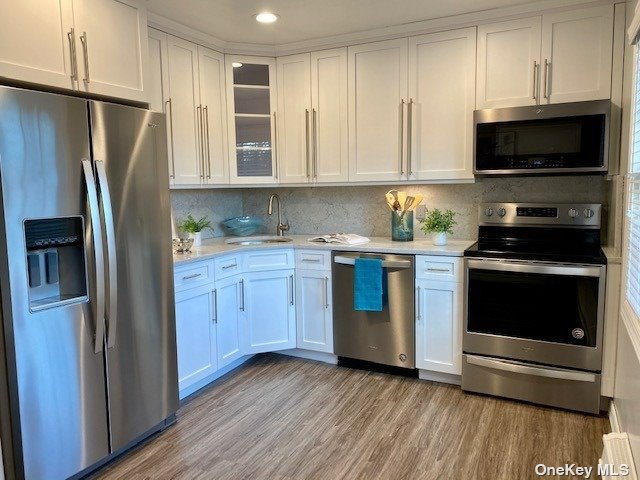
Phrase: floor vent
(617,460)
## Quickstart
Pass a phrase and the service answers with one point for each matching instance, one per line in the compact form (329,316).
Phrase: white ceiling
(232,20)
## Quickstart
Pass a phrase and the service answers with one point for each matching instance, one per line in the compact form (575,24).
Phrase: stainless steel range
(535,284)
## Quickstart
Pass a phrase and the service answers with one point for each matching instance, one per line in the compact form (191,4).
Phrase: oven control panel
(585,215)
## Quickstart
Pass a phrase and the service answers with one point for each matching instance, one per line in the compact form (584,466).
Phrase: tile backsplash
(217,205)
(362,209)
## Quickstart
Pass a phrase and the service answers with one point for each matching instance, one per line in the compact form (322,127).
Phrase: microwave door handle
(107,212)
(516,367)
(96,230)
(548,269)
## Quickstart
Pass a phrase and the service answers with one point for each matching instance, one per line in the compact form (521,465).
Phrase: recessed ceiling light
(236,64)
(266,17)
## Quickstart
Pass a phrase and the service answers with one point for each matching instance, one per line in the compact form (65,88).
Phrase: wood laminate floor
(279,417)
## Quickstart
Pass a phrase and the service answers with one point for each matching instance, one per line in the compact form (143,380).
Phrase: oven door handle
(549,269)
(515,367)
(343,260)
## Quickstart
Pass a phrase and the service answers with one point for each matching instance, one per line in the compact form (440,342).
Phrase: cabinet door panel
(213,100)
(506,55)
(579,47)
(228,320)
(195,336)
(269,312)
(116,47)
(294,109)
(329,87)
(442,70)
(377,86)
(185,121)
(34,46)
(158,86)
(313,310)
(439,326)
(251,107)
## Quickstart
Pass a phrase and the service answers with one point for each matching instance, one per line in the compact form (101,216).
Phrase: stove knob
(588,213)
(502,212)
(573,213)
(488,211)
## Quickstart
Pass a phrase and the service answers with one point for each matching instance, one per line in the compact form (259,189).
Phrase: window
(633,202)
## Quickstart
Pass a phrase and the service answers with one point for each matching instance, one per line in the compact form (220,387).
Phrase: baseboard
(311,355)
(617,459)
(193,389)
(613,418)
(440,377)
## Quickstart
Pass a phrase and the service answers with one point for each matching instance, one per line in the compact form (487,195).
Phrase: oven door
(535,311)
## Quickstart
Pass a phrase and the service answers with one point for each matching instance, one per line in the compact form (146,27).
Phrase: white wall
(627,390)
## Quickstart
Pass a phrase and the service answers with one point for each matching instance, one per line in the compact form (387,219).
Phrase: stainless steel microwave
(542,139)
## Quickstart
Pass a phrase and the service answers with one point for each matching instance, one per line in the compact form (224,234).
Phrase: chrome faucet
(282,227)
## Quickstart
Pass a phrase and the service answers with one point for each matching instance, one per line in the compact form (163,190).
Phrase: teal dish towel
(368,285)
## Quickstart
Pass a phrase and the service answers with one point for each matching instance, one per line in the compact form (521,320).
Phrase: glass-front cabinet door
(251,100)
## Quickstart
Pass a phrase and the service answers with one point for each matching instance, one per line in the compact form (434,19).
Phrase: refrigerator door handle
(96,230)
(107,212)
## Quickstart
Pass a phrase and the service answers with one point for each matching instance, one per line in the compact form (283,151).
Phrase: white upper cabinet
(329,117)
(555,58)
(158,87)
(312,117)
(294,119)
(184,113)
(158,82)
(251,107)
(577,55)
(36,41)
(214,116)
(377,96)
(268,302)
(112,48)
(442,68)
(508,63)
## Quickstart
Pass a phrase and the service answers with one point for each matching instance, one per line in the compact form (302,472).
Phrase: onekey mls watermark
(572,470)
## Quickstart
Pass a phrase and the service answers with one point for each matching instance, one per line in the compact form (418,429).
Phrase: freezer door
(130,154)
(56,380)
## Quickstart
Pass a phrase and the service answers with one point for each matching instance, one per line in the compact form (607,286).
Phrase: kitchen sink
(261,240)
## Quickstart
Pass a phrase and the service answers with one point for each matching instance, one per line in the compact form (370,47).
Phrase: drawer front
(227,266)
(264,260)
(192,275)
(431,267)
(313,259)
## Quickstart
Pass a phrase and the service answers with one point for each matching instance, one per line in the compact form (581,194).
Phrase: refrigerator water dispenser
(56,267)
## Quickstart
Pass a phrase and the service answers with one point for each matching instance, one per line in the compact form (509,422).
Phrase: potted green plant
(193,228)
(438,224)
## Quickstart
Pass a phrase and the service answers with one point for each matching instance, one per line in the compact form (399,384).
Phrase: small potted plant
(438,224)
(193,228)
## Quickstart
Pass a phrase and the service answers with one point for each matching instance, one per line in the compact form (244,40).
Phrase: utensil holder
(402,226)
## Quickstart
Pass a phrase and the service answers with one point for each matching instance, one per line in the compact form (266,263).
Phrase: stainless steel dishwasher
(385,337)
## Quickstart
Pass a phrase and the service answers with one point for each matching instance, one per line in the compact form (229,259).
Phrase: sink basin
(261,240)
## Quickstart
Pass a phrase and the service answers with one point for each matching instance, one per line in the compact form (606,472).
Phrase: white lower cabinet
(314,310)
(439,308)
(268,306)
(195,335)
(227,319)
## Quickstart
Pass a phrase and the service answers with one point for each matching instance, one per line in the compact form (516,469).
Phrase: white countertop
(216,247)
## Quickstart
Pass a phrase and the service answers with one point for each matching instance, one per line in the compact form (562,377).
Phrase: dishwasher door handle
(385,263)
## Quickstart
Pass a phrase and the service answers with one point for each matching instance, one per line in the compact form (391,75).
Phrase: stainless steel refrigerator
(87,337)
